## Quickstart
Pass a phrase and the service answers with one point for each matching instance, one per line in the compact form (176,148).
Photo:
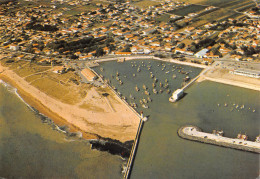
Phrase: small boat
(145,106)
(136,88)
(166,80)
(155,80)
(166,86)
(138,69)
(160,91)
(120,82)
(147,93)
(144,100)
(149,99)
(123,97)
(154,85)
(152,75)
(117,78)
(174,76)
(187,78)
(167,72)
(155,91)
(134,75)
(168,91)
(218,105)
(119,93)
(225,105)
(253,110)
(114,88)
(117,74)
(144,87)
(101,69)
(131,97)
(141,102)
(160,84)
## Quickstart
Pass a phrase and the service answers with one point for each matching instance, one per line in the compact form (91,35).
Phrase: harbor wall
(214,142)
(133,151)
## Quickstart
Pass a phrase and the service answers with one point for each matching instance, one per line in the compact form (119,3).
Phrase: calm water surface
(31,149)
(161,153)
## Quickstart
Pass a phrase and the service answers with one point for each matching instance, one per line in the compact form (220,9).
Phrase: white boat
(155,91)
(145,106)
(176,95)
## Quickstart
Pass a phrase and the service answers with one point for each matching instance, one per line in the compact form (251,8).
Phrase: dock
(195,134)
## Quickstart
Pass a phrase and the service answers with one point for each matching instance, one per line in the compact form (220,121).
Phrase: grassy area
(146,3)
(163,18)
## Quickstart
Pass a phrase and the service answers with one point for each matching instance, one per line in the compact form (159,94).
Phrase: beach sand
(114,119)
(223,76)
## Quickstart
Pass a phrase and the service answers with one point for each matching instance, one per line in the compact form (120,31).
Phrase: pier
(133,151)
(195,134)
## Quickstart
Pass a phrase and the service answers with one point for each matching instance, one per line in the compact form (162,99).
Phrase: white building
(201,53)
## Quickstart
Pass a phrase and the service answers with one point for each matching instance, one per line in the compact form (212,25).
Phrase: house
(88,74)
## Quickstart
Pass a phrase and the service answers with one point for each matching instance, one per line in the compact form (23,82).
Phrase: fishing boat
(242,136)
(136,88)
(155,91)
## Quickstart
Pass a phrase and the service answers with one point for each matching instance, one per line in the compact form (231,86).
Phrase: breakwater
(133,151)
(195,134)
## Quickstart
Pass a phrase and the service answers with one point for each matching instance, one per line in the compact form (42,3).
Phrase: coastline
(46,111)
(116,125)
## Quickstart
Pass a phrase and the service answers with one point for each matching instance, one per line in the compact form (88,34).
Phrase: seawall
(195,134)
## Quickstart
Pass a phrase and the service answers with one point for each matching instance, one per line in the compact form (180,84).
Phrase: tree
(99,52)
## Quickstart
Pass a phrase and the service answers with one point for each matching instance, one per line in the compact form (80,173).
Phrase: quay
(195,134)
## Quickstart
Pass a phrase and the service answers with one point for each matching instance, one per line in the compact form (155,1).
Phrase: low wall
(214,142)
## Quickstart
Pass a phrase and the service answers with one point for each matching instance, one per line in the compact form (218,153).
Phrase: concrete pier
(195,134)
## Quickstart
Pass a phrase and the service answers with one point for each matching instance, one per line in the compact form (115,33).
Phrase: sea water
(32,149)
(208,105)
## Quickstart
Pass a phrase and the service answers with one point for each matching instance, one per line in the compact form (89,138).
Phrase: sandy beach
(223,76)
(113,119)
